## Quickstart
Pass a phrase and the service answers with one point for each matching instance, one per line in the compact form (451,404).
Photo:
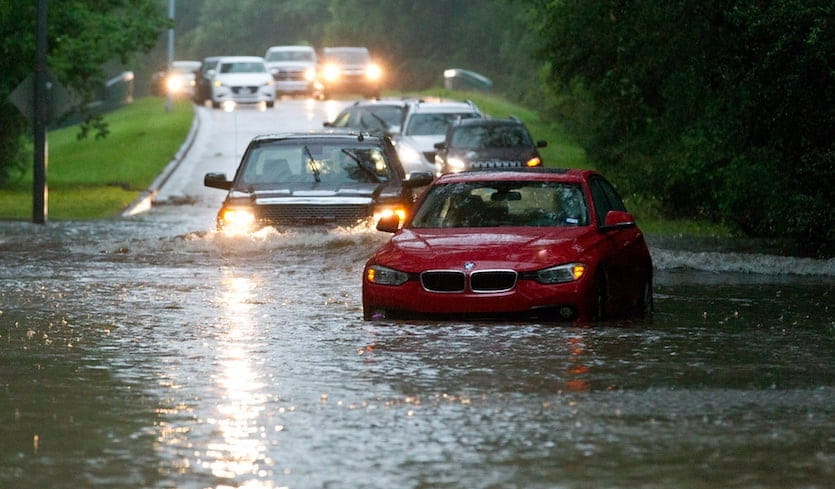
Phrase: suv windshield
(434,124)
(308,162)
(349,57)
(290,56)
(243,67)
(491,204)
(490,136)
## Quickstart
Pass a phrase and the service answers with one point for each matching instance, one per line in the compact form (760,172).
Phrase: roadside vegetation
(98,177)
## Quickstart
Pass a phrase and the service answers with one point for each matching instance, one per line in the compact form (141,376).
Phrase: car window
(490,136)
(605,198)
(312,162)
(502,204)
(290,56)
(356,57)
(433,124)
(243,67)
(390,114)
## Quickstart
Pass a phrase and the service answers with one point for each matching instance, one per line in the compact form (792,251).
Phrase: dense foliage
(724,109)
(83,36)
(703,108)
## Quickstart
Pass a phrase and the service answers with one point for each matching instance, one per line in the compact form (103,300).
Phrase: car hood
(312,192)
(243,78)
(522,249)
(422,143)
(290,64)
(486,154)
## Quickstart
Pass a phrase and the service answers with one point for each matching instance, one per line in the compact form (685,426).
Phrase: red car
(544,243)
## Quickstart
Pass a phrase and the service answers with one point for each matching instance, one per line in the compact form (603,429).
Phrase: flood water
(152,352)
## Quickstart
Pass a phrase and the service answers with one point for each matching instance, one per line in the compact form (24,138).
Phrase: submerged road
(150,351)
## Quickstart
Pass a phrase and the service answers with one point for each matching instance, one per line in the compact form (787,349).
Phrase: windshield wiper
(365,169)
(313,167)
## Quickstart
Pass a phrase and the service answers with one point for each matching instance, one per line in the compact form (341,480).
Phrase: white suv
(293,68)
(425,124)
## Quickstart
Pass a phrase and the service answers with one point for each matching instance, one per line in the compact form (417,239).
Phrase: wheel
(215,105)
(270,105)
(600,297)
(647,305)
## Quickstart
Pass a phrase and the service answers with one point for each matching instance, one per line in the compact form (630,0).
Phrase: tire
(215,105)
(600,298)
(270,105)
(647,305)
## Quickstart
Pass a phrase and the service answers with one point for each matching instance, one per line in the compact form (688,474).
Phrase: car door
(625,264)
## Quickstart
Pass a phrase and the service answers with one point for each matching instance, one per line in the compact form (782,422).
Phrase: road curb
(146,199)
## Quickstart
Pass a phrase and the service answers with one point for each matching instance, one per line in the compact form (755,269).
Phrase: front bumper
(243,94)
(528,297)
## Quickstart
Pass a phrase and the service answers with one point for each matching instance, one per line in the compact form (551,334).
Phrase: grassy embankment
(92,178)
(97,178)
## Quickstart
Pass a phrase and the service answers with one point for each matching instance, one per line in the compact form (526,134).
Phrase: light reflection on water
(251,355)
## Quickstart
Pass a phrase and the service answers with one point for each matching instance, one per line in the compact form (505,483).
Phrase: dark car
(203,80)
(555,244)
(302,179)
(488,143)
(348,70)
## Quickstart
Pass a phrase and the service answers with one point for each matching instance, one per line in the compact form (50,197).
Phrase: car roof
(442,106)
(323,135)
(489,122)
(235,59)
(299,47)
(568,175)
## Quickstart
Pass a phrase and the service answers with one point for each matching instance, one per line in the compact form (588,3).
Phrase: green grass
(95,178)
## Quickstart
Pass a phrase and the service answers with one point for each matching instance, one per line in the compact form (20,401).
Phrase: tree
(721,109)
(83,36)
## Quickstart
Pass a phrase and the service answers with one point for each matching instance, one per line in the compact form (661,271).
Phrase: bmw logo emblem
(469,266)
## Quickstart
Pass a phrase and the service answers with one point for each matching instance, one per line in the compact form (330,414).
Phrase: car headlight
(455,164)
(400,212)
(380,275)
(217,83)
(237,220)
(331,72)
(310,74)
(373,72)
(408,154)
(535,161)
(174,83)
(561,273)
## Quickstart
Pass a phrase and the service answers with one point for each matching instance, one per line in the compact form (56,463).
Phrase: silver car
(293,68)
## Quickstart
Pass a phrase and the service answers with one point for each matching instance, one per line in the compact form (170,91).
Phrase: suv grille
(332,214)
(492,280)
(443,281)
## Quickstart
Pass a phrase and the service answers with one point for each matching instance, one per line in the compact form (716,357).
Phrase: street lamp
(169,102)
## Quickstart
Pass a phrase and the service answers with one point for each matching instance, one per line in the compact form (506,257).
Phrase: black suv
(331,179)
(472,144)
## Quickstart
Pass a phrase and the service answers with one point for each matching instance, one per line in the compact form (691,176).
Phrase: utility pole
(169,102)
(41,96)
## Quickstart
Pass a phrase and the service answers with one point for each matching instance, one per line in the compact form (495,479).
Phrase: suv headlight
(237,220)
(331,72)
(561,273)
(408,154)
(380,275)
(455,164)
(373,72)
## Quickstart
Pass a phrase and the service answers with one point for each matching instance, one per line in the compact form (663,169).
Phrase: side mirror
(217,180)
(210,73)
(541,144)
(440,146)
(418,179)
(389,224)
(327,124)
(618,220)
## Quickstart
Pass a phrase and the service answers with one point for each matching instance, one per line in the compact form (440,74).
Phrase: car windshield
(502,204)
(352,57)
(243,67)
(490,136)
(309,162)
(290,56)
(392,115)
(434,124)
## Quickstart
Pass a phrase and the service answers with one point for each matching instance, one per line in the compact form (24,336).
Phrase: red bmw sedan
(551,244)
